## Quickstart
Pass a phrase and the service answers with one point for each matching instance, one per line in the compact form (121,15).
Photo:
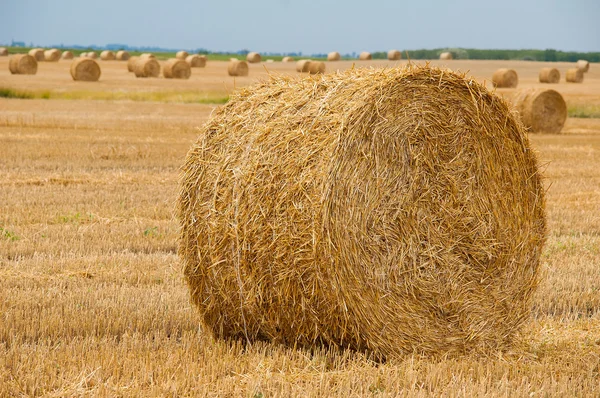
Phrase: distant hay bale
(85,69)
(37,53)
(52,55)
(302,65)
(574,75)
(67,55)
(549,75)
(446,56)
(176,68)
(287,59)
(182,55)
(270,61)
(107,55)
(83,55)
(146,67)
(365,56)
(316,67)
(196,61)
(122,55)
(541,110)
(3,52)
(583,65)
(131,63)
(253,57)
(92,55)
(394,55)
(505,78)
(147,55)
(334,56)
(344,213)
(22,64)
(237,68)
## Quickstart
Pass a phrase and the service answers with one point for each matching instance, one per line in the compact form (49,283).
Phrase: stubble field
(92,298)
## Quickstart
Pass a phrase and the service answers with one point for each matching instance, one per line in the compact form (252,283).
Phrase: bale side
(176,68)
(22,64)
(253,57)
(365,56)
(505,78)
(574,75)
(182,55)
(85,69)
(52,55)
(122,55)
(146,67)
(541,110)
(37,53)
(334,56)
(67,55)
(237,68)
(394,55)
(583,65)
(196,61)
(549,75)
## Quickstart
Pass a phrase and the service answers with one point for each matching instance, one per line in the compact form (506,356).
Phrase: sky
(285,26)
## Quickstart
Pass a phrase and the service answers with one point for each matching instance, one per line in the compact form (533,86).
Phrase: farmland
(92,298)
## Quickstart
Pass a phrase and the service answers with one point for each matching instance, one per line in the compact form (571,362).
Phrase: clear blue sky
(307,26)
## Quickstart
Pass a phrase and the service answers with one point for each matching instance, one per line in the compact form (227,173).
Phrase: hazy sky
(304,25)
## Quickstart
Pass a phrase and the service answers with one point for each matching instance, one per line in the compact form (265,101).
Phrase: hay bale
(122,55)
(287,59)
(302,65)
(196,61)
(396,211)
(107,55)
(549,75)
(505,78)
(37,53)
(237,68)
(446,56)
(91,55)
(316,67)
(334,56)
(394,55)
(365,56)
(541,110)
(22,64)
(3,52)
(182,55)
(67,55)
(574,75)
(85,69)
(146,67)
(83,55)
(253,57)
(147,55)
(131,63)
(52,55)
(176,68)
(583,65)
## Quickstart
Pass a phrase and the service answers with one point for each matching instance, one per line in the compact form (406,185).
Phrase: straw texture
(394,55)
(196,61)
(334,56)
(505,78)
(146,67)
(22,64)
(176,68)
(85,69)
(237,68)
(394,211)
(549,75)
(542,110)
(52,55)
(574,75)
(122,55)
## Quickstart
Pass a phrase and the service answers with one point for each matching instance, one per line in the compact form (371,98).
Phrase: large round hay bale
(287,59)
(446,56)
(253,57)
(302,65)
(505,78)
(37,53)
(583,65)
(549,75)
(316,67)
(334,56)
(91,55)
(146,67)
(176,68)
(237,68)
(196,61)
(85,69)
(541,110)
(67,55)
(182,55)
(394,55)
(574,75)
(365,56)
(396,211)
(107,55)
(52,55)
(122,55)
(22,64)
(3,52)
(131,63)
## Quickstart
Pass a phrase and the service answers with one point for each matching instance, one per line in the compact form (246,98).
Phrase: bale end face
(85,69)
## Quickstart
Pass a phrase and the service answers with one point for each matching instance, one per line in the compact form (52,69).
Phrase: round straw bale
(302,65)
(316,67)
(575,75)
(334,56)
(176,68)
(122,55)
(394,211)
(505,78)
(287,59)
(146,67)
(92,55)
(196,61)
(131,62)
(446,55)
(253,57)
(147,55)
(365,56)
(52,55)
(182,55)
(85,69)
(37,53)
(3,52)
(549,75)
(394,55)
(107,55)
(237,68)
(22,64)
(541,110)
(68,55)
(583,65)
(83,55)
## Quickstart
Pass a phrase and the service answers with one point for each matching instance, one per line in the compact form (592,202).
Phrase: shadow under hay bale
(394,211)
(541,110)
